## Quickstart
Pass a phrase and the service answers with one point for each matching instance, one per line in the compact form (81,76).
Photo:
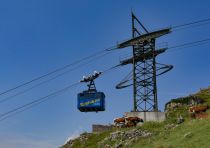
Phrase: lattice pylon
(144,78)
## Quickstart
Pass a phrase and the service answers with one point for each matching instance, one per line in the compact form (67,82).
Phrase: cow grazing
(198,109)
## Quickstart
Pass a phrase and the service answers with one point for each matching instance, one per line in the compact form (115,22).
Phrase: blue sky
(39,36)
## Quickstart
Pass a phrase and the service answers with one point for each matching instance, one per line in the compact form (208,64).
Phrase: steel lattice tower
(145,69)
(144,73)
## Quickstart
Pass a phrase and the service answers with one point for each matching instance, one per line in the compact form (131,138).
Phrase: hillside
(193,132)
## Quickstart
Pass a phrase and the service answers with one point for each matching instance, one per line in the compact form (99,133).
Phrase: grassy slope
(197,131)
(204,94)
(94,139)
(190,134)
(91,142)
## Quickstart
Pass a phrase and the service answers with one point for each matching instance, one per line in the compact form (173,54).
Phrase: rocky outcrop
(83,137)
(123,138)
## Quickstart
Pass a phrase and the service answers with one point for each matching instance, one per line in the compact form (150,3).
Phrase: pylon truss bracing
(145,68)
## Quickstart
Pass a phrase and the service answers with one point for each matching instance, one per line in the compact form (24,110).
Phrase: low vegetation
(192,133)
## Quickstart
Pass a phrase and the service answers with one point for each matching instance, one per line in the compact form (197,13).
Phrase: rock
(124,138)
(170,126)
(188,135)
(107,146)
(119,145)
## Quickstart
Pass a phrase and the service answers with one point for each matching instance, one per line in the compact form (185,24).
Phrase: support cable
(56,76)
(190,44)
(54,71)
(205,21)
(38,101)
(125,82)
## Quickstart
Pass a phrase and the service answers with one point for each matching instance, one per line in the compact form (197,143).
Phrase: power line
(187,27)
(58,75)
(180,27)
(36,102)
(20,111)
(40,100)
(190,44)
(126,81)
(191,23)
(54,71)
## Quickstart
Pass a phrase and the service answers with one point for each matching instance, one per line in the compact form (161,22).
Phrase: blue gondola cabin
(88,101)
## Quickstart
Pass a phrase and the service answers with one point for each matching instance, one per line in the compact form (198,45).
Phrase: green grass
(190,134)
(205,95)
(95,138)
(193,133)
(174,114)
(92,140)
(197,131)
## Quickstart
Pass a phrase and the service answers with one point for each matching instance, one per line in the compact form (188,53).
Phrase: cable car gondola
(91,100)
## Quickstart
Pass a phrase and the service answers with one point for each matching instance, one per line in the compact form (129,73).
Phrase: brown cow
(133,119)
(127,121)
(197,109)
(119,122)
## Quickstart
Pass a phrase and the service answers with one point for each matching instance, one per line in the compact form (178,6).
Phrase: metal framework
(145,69)
(90,80)
(91,86)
